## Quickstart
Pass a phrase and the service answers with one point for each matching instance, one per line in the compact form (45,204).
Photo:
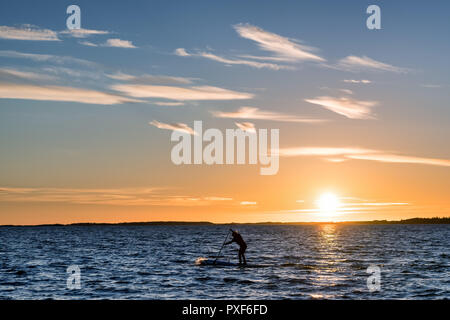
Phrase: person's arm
(231,241)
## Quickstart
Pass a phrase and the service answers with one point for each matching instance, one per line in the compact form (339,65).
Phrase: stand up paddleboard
(213,262)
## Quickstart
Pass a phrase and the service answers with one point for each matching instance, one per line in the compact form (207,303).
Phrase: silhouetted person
(242,245)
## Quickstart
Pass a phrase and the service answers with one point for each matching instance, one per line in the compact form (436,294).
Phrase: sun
(328,204)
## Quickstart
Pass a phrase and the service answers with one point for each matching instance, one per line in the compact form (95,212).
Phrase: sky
(86,116)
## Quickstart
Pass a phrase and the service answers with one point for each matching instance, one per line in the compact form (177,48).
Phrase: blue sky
(312,66)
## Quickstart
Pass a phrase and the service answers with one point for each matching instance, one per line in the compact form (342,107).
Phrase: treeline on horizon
(434,220)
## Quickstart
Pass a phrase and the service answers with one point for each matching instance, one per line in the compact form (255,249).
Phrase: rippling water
(157,262)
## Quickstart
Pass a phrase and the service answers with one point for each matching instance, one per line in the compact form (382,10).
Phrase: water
(293,262)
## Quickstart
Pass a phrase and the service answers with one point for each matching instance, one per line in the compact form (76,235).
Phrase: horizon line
(177,222)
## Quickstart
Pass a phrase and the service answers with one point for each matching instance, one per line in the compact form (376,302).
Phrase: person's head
(234,232)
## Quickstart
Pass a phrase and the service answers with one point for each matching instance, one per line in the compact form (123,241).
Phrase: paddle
(223,244)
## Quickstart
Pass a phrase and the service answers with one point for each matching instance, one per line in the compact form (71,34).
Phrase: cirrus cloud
(119,43)
(363,81)
(282,47)
(149,79)
(120,197)
(83,33)
(255,64)
(257,114)
(323,151)
(394,158)
(357,153)
(59,93)
(180,93)
(28,32)
(246,126)
(28,75)
(285,50)
(350,108)
(181,127)
(181,52)
(38,57)
(248,203)
(354,63)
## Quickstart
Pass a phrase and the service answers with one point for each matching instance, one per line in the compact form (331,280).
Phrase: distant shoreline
(436,220)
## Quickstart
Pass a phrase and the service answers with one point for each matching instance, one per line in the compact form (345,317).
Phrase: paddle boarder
(242,245)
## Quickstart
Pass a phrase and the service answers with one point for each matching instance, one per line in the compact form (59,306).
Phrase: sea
(321,261)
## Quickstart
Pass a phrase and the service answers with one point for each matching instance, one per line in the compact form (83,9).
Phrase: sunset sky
(86,116)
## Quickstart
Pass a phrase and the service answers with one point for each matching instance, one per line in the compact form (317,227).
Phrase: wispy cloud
(89,44)
(59,93)
(359,206)
(119,43)
(350,108)
(190,201)
(10,72)
(180,93)
(255,64)
(119,197)
(28,32)
(377,204)
(393,158)
(362,204)
(150,79)
(246,126)
(356,153)
(346,91)
(323,151)
(248,203)
(363,81)
(264,58)
(181,52)
(45,58)
(131,196)
(250,63)
(83,33)
(168,104)
(257,114)
(73,73)
(282,47)
(35,33)
(214,198)
(335,160)
(121,76)
(285,50)
(358,202)
(181,127)
(354,63)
